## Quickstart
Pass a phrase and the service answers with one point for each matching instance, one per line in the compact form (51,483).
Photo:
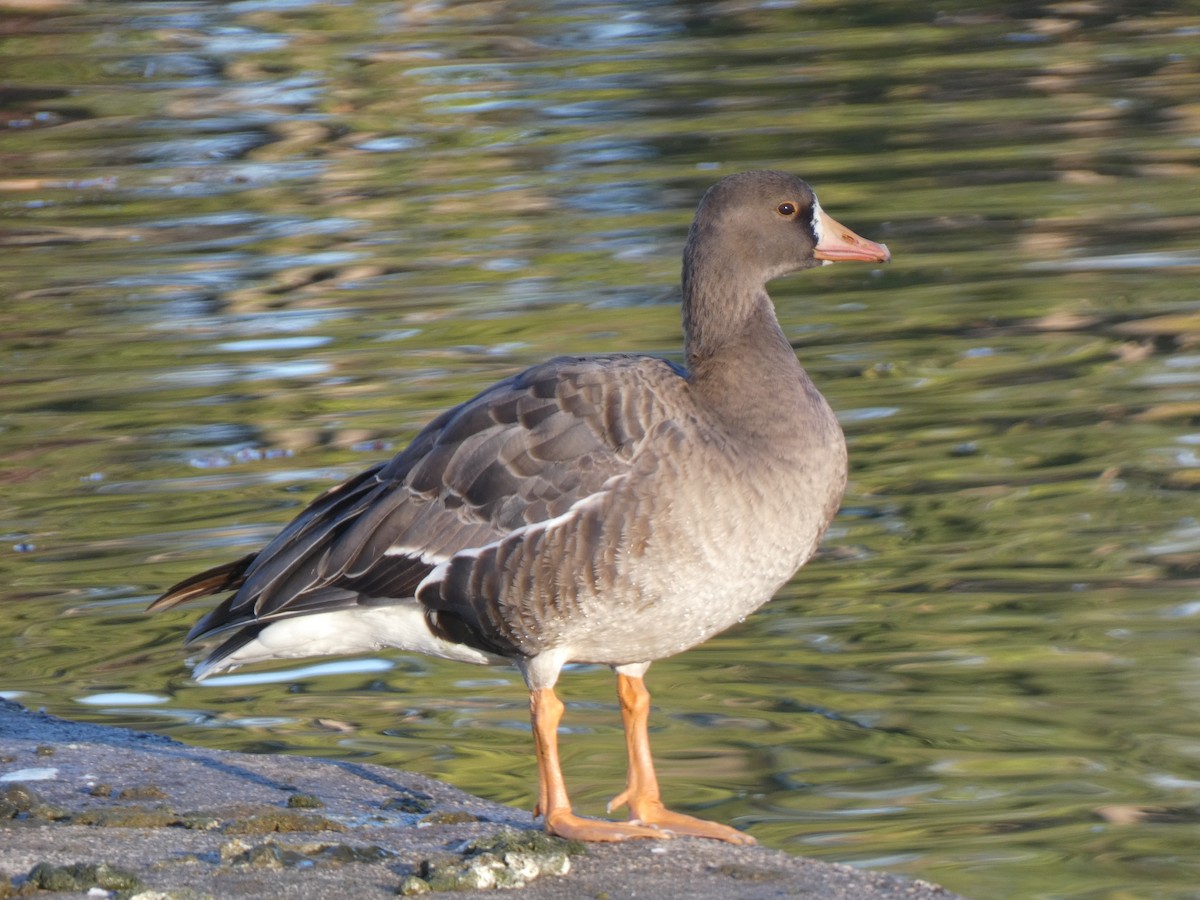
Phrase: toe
(577,828)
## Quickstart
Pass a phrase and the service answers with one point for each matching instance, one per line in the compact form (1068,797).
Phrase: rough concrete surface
(88,807)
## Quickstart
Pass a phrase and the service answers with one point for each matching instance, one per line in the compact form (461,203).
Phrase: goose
(611,510)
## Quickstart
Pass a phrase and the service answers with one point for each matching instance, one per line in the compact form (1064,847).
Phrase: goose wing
(527,451)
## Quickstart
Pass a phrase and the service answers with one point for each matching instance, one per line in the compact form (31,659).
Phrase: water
(251,247)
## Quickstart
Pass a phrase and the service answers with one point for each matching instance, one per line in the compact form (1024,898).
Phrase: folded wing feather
(515,460)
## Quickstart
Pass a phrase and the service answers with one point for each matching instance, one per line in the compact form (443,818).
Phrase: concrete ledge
(141,815)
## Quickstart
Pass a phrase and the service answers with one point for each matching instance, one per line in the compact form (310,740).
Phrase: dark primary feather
(522,452)
(217,580)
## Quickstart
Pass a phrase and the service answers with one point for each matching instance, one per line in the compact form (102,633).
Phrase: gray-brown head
(750,228)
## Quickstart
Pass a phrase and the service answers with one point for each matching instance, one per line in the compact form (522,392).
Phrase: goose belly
(703,569)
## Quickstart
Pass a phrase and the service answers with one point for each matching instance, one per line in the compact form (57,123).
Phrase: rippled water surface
(251,247)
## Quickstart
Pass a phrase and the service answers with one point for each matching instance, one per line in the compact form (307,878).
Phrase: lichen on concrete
(450,817)
(81,877)
(507,859)
(142,792)
(305,801)
(17,799)
(272,855)
(410,803)
(281,820)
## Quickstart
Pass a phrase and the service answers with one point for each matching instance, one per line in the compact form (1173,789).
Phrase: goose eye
(787,210)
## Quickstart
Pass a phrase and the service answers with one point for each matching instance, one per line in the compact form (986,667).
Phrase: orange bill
(837,243)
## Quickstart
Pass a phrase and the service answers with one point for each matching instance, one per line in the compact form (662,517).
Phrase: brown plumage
(612,509)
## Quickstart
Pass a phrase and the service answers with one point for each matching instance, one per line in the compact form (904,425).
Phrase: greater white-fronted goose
(614,509)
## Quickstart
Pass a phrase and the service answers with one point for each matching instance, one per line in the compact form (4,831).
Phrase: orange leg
(641,786)
(553,803)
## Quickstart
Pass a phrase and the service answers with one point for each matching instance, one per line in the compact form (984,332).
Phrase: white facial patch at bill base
(816,226)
